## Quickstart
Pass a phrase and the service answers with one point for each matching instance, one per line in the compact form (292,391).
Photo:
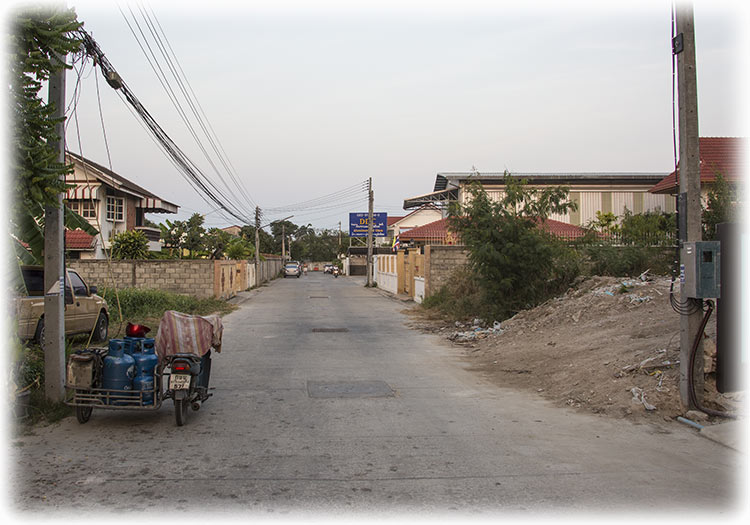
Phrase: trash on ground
(639,396)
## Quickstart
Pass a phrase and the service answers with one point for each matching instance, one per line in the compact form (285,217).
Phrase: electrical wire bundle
(190,171)
(231,201)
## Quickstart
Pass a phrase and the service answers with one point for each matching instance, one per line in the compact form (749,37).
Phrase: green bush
(130,244)
(461,298)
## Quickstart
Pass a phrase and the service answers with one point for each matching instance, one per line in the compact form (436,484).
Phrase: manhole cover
(329,330)
(348,389)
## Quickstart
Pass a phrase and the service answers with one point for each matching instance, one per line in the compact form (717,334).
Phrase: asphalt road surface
(326,403)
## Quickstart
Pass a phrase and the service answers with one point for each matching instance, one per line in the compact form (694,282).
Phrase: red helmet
(136,330)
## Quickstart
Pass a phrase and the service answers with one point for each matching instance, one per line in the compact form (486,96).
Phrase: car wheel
(39,334)
(102,328)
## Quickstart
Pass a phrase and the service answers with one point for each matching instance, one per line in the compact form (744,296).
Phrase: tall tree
(514,258)
(39,36)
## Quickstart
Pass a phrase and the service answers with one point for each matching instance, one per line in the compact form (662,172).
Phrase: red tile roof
(393,220)
(717,155)
(563,229)
(79,240)
(437,231)
(433,230)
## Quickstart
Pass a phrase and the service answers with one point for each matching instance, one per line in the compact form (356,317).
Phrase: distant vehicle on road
(292,269)
(328,268)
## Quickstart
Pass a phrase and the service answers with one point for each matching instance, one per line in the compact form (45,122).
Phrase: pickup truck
(84,310)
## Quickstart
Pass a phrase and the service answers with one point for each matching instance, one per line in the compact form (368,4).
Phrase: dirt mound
(608,346)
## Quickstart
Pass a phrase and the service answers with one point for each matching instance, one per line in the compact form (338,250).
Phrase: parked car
(292,269)
(84,309)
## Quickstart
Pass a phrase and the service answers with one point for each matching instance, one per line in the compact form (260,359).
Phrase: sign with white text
(358,224)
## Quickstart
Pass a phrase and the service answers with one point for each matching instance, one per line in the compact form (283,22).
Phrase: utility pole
(339,237)
(369,232)
(283,246)
(690,190)
(54,260)
(257,246)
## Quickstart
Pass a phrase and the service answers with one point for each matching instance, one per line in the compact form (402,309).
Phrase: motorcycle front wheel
(180,411)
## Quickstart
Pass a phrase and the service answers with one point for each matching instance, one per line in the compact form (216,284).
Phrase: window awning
(152,205)
(83,191)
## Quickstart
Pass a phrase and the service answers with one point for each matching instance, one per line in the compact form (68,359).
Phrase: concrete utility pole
(690,189)
(257,246)
(369,232)
(54,261)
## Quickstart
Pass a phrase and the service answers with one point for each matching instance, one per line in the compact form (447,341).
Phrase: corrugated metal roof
(629,176)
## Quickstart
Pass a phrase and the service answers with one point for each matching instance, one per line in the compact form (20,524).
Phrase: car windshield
(291,265)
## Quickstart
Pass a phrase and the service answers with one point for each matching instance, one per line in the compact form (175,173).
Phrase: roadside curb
(729,434)
(395,297)
(246,295)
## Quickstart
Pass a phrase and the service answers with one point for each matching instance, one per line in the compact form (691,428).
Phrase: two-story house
(112,204)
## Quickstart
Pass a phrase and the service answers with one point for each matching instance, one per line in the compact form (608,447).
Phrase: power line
(190,171)
(212,136)
(161,76)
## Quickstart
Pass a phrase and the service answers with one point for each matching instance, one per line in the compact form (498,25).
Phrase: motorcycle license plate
(179,381)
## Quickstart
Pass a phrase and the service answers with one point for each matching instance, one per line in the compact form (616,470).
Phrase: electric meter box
(700,269)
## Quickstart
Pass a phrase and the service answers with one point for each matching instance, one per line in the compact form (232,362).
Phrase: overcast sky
(309,102)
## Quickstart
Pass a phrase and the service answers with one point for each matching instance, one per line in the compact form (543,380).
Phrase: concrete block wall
(440,263)
(189,277)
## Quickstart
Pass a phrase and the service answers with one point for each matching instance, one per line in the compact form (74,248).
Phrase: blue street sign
(358,224)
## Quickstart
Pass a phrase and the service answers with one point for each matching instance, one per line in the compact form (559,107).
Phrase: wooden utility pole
(369,232)
(54,260)
(690,190)
(257,246)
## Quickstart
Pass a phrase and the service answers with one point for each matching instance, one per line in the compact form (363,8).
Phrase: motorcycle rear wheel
(180,411)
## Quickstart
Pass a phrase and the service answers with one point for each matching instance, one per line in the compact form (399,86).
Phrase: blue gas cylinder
(132,344)
(145,384)
(145,363)
(119,368)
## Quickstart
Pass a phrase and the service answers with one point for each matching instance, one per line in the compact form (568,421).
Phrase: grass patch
(147,306)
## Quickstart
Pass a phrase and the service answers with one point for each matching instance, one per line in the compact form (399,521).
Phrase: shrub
(461,298)
(131,244)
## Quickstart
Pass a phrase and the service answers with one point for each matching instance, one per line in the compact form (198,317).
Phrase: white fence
(269,269)
(418,289)
(384,272)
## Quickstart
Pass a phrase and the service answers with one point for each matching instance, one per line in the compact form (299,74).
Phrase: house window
(115,207)
(86,209)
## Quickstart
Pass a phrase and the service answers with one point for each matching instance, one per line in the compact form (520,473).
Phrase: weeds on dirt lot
(138,304)
(619,261)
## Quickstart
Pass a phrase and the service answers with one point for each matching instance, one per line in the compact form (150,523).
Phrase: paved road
(377,418)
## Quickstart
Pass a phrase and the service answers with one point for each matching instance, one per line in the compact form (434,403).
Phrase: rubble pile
(608,345)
